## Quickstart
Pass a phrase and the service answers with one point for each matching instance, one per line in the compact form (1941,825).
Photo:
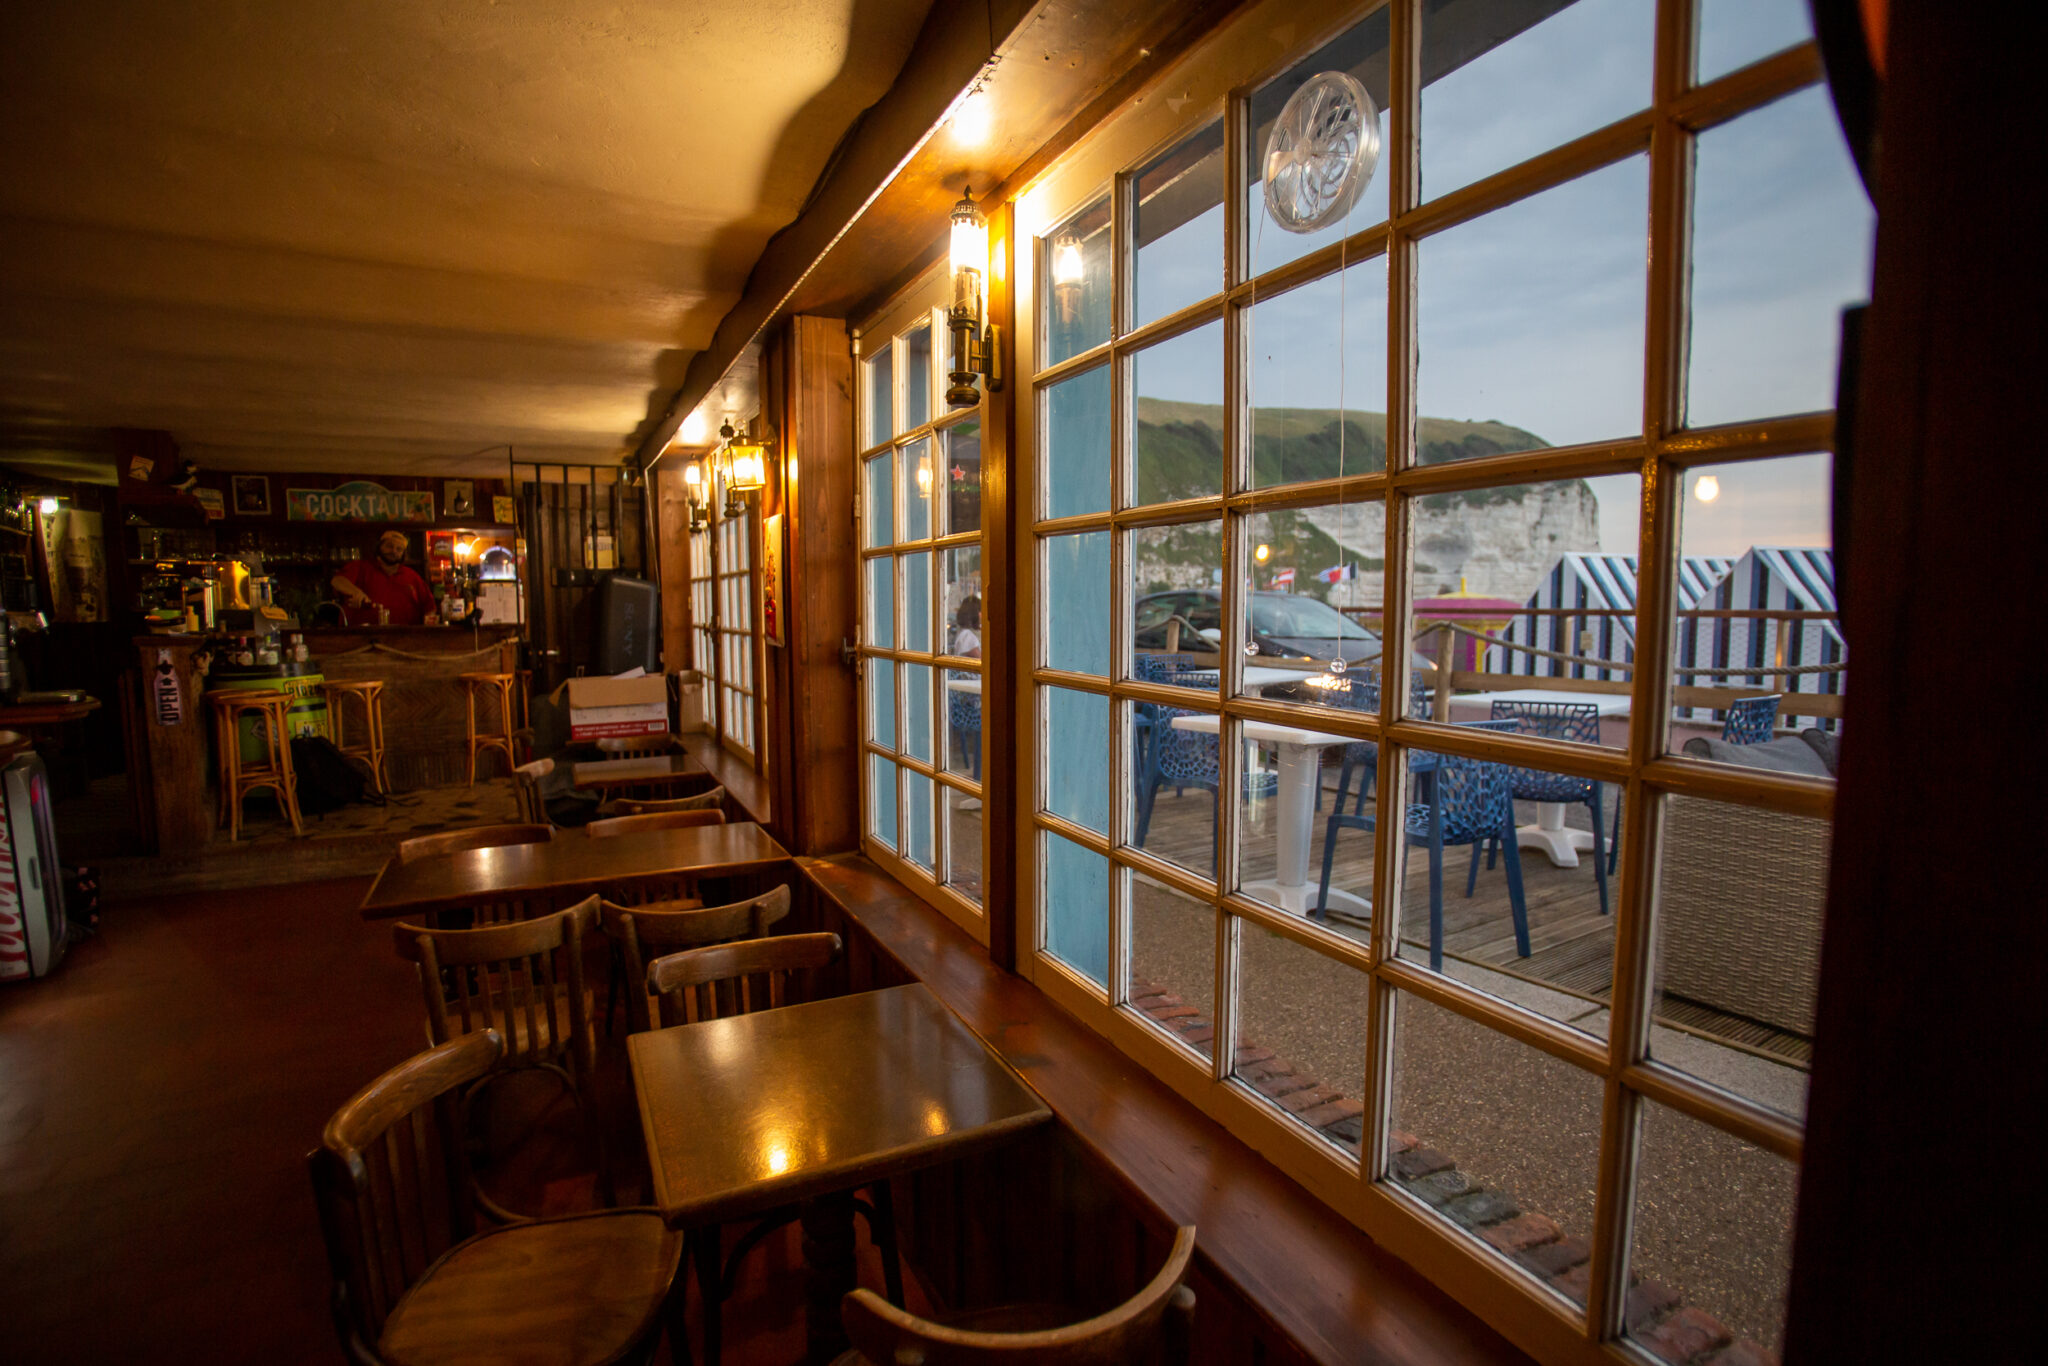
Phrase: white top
(1265,732)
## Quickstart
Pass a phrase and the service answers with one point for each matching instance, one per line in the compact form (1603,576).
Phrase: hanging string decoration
(1321,152)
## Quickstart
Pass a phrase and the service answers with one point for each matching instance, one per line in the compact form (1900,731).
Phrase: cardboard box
(600,708)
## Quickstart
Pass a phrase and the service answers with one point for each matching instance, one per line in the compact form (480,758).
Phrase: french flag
(1339,573)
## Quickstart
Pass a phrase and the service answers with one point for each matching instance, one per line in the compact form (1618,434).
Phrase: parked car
(1285,626)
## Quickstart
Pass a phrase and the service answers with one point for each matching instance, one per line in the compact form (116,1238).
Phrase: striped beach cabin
(1767,578)
(1587,582)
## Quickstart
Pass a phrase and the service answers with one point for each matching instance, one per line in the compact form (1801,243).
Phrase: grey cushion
(1823,744)
(1788,754)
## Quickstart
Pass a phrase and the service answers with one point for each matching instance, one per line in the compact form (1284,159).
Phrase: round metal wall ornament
(1321,153)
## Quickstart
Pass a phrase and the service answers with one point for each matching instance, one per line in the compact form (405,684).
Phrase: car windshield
(1284,615)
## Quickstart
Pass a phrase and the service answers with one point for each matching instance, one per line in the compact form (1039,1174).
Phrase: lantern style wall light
(974,346)
(693,490)
(744,467)
(1068,271)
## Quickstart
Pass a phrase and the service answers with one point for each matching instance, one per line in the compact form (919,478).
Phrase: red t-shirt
(401,590)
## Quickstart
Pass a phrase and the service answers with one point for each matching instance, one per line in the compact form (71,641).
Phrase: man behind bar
(387,582)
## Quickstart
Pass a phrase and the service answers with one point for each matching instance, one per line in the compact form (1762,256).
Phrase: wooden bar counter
(425,728)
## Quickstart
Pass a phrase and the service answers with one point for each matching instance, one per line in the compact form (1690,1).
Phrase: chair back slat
(658,820)
(523,978)
(390,1181)
(714,979)
(642,933)
(1154,1325)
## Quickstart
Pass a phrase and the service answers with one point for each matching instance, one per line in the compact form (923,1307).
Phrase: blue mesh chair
(1575,721)
(963,714)
(1360,691)
(1751,719)
(1465,801)
(1180,758)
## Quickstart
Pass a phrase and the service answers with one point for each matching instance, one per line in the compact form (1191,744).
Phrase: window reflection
(1178,226)
(1074,273)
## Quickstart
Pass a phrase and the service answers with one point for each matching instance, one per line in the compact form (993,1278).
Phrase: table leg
(1301,768)
(829,1273)
(1560,845)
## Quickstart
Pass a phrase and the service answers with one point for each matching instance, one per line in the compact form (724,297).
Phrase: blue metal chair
(1575,721)
(1182,758)
(1360,691)
(1751,719)
(1465,801)
(963,714)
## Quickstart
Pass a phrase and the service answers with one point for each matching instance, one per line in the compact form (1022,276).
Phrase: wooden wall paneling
(671,508)
(775,748)
(823,796)
(1005,543)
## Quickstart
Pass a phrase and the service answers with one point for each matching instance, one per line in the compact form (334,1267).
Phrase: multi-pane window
(724,628)
(921,622)
(1433,650)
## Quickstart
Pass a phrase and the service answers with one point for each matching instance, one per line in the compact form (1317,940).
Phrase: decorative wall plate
(1321,153)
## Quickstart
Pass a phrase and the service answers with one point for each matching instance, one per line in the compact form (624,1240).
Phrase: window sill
(1324,1287)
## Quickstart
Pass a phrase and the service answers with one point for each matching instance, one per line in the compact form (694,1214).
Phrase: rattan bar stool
(499,686)
(371,750)
(239,779)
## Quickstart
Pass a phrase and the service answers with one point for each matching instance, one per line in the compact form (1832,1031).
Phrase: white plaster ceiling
(384,236)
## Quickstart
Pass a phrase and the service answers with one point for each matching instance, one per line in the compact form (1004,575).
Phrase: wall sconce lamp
(744,467)
(974,346)
(693,490)
(1068,270)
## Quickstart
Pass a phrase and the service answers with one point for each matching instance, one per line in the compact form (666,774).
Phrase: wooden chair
(526,781)
(500,686)
(739,978)
(1152,1326)
(714,800)
(414,1278)
(638,746)
(524,979)
(654,820)
(474,837)
(638,933)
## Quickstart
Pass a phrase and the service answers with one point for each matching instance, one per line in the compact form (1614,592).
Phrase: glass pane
(917,378)
(881,398)
(1734,33)
(1319,378)
(1173,962)
(1495,1138)
(1075,907)
(1077,602)
(1757,593)
(1177,603)
(1505,81)
(916,474)
(917,712)
(963,843)
(917,817)
(1781,241)
(1361,53)
(1549,567)
(882,702)
(1301,1033)
(917,601)
(963,723)
(1179,441)
(1740,893)
(1077,445)
(1076,273)
(963,477)
(882,602)
(882,799)
(880,497)
(1178,226)
(1710,1256)
(1175,775)
(962,601)
(1531,321)
(1315,579)
(1077,757)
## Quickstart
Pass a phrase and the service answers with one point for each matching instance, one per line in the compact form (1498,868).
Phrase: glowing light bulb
(1706,488)
(973,120)
(693,475)
(694,429)
(462,549)
(47,507)
(1263,554)
(969,241)
(924,478)
(1067,264)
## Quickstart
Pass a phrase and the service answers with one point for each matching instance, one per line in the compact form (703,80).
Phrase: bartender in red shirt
(387,582)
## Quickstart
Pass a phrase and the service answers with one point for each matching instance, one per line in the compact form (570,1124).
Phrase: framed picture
(771,580)
(252,495)
(458,497)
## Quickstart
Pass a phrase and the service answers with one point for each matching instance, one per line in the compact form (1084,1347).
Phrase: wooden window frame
(1222,73)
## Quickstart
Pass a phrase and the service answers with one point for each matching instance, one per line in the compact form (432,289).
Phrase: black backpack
(328,779)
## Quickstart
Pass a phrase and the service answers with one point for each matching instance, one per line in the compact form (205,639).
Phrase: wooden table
(806,1103)
(661,770)
(571,863)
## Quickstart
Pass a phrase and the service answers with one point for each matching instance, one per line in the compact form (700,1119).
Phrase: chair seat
(572,1291)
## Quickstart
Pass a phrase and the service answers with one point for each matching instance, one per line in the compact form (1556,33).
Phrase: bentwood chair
(654,820)
(1153,1326)
(638,746)
(537,806)
(714,800)
(639,934)
(702,985)
(1578,722)
(419,1279)
(524,979)
(1751,719)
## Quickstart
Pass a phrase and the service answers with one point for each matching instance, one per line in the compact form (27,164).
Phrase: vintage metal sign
(358,501)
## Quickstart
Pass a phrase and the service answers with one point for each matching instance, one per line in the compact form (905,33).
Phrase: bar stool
(371,694)
(489,684)
(238,779)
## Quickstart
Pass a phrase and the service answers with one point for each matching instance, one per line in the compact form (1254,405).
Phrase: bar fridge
(31,881)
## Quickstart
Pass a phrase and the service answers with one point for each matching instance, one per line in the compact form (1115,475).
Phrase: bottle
(244,656)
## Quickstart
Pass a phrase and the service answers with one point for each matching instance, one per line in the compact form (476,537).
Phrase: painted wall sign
(170,703)
(359,500)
